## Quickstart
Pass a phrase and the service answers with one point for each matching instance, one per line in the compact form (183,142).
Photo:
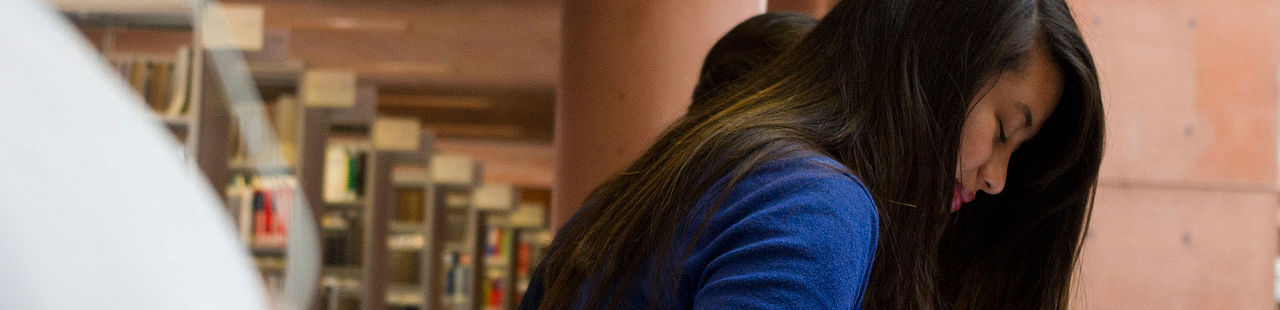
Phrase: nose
(993,173)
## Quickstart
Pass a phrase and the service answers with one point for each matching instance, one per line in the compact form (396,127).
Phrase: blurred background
(440,143)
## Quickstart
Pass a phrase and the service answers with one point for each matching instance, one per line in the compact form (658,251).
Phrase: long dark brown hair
(747,47)
(883,87)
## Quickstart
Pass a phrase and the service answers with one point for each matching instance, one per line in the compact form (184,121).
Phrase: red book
(522,261)
(495,293)
(259,216)
(269,212)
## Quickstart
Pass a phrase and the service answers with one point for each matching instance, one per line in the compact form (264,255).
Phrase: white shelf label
(234,26)
(528,216)
(406,242)
(329,88)
(456,200)
(396,134)
(452,169)
(496,197)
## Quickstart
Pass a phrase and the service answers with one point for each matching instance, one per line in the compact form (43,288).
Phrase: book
(180,83)
(261,216)
(286,121)
(138,76)
(497,289)
(405,267)
(263,206)
(355,169)
(532,246)
(345,172)
(335,174)
(240,197)
(410,205)
(161,82)
(493,243)
(158,85)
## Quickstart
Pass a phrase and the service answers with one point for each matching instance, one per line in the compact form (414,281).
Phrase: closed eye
(1002,137)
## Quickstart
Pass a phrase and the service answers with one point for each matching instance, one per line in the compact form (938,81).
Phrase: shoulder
(807,202)
(804,183)
(795,232)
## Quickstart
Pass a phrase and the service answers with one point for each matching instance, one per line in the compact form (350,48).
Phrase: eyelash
(1000,135)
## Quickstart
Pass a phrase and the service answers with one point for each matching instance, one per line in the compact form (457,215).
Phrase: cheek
(975,141)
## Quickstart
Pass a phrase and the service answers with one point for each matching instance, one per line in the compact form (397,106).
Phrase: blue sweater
(795,233)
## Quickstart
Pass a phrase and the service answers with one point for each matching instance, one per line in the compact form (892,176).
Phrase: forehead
(1037,85)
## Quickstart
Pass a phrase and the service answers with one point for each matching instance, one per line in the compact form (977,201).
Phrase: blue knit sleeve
(793,241)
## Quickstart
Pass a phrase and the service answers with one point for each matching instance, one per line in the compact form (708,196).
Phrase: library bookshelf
(400,226)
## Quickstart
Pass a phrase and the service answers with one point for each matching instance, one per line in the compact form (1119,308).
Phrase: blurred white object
(96,210)
(124,6)
(1276,288)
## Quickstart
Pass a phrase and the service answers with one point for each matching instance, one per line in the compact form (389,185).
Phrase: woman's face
(1009,113)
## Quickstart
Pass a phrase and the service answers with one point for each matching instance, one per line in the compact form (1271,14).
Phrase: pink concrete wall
(1185,217)
(628,69)
(1186,214)
(1178,249)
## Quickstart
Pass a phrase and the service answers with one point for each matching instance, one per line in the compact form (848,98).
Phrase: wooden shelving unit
(290,126)
(494,204)
(452,225)
(531,237)
(345,245)
(198,128)
(367,245)
(409,234)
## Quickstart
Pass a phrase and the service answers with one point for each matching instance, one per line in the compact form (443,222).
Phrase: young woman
(906,154)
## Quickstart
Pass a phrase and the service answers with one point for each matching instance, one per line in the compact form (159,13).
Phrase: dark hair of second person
(748,46)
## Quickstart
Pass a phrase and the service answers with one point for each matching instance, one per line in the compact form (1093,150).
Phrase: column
(627,71)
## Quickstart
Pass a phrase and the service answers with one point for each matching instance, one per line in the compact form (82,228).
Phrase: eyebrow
(1026,115)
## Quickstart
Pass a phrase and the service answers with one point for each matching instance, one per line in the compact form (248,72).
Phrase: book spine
(491,241)
(335,174)
(353,172)
(138,76)
(269,217)
(486,292)
(157,85)
(180,80)
(287,200)
(507,244)
(522,261)
(356,177)
(259,216)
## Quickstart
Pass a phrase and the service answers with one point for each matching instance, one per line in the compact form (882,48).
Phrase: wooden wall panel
(444,44)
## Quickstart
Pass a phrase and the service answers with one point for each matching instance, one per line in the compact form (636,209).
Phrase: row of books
(411,205)
(406,264)
(497,255)
(493,291)
(497,245)
(162,82)
(530,250)
(344,172)
(457,288)
(283,115)
(344,248)
(263,205)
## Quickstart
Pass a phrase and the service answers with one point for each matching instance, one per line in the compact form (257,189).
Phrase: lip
(961,195)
